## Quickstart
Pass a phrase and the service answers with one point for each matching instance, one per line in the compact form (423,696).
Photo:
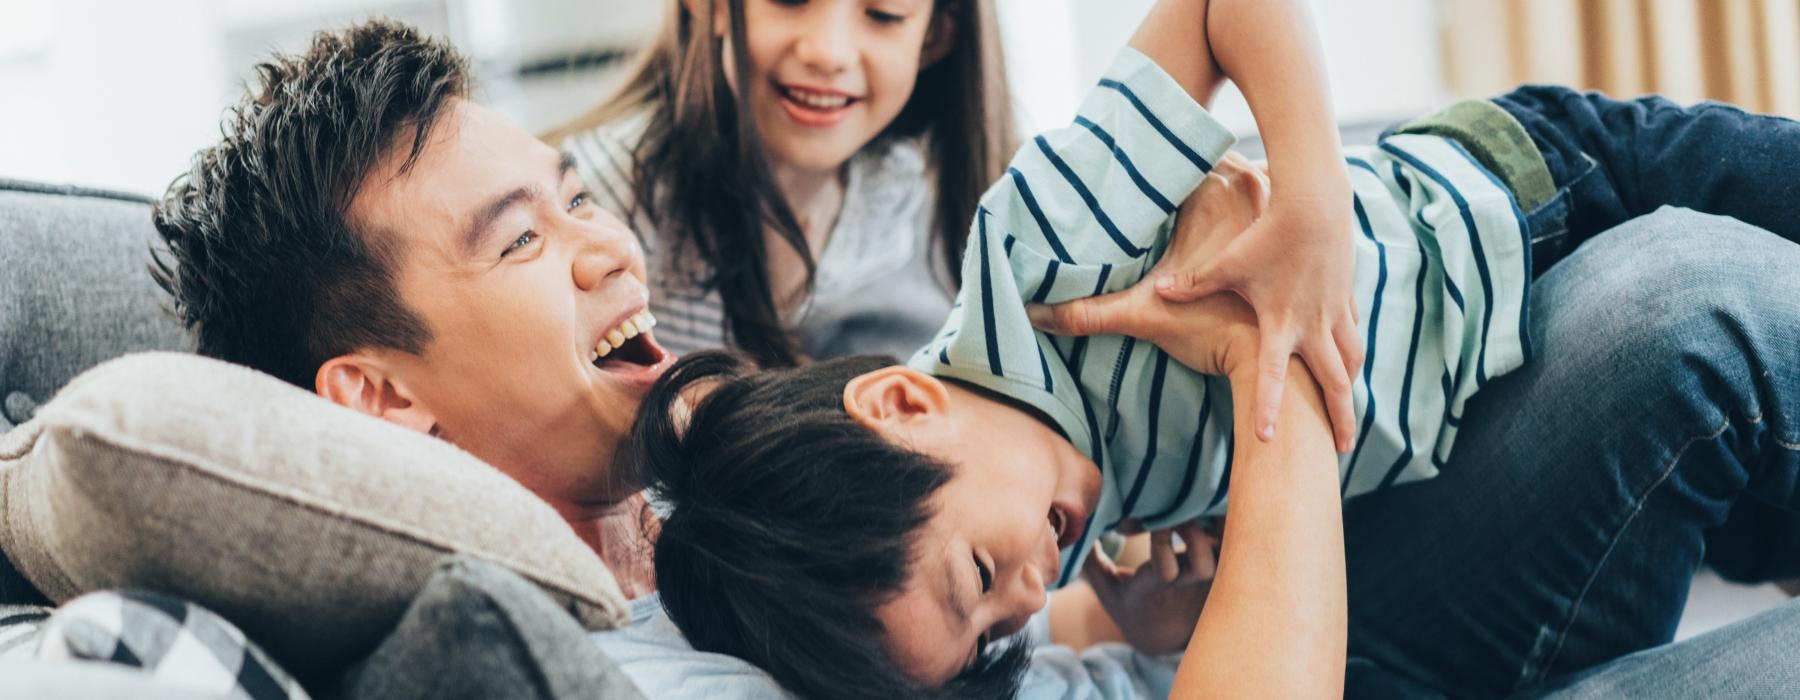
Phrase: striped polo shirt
(1442,275)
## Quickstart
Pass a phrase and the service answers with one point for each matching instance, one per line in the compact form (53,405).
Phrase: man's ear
(940,39)
(891,399)
(363,383)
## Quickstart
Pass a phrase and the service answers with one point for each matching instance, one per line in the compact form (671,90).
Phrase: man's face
(520,279)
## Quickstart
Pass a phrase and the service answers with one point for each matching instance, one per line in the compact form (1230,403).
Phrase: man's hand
(1283,258)
(1156,605)
(1210,334)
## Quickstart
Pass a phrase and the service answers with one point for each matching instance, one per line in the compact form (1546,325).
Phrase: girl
(802,173)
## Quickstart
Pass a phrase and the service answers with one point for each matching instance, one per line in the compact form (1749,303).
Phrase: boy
(978,476)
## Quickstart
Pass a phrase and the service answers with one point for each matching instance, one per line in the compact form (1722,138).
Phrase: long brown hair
(699,171)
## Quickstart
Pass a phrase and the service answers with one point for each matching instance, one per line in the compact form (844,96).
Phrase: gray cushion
(74,289)
(478,630)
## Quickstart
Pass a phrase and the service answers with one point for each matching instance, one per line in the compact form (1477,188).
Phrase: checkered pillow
(176,642)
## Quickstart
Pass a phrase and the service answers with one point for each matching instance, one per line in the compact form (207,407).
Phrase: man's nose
(602,254)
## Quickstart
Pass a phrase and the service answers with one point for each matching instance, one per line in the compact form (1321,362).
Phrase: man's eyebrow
(475,238)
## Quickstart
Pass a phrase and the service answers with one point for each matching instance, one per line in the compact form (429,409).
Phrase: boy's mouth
(813,106)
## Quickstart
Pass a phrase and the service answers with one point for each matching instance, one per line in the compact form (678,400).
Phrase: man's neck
(625,538)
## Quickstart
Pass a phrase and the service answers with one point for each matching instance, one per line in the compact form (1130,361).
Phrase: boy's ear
(940,39)
(362,382)
(890,398)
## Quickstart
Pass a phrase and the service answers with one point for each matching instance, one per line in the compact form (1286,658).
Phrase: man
(365,231)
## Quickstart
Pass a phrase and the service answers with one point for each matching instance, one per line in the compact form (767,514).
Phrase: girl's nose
(827,47)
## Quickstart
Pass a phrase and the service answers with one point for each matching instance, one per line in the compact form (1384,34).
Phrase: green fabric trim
(1499,141)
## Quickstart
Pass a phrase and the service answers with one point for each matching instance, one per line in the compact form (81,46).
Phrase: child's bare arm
(1296,266)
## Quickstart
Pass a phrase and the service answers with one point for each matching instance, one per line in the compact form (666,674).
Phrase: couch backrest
(75,289)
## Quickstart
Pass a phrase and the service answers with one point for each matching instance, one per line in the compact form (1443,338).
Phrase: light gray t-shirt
(663,665)
(880,285)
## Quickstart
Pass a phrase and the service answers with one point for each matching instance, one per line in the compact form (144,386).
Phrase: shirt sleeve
(1081,210)
(1102,189)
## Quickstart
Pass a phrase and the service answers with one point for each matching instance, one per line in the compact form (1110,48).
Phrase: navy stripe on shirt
(1195,450)
(1143,475)
(1037,213)
(1043,290)
(1362,436)
(987,297)
(1093,204)
(1157,124)
(1412,359)
(1481,266)
(1131,170)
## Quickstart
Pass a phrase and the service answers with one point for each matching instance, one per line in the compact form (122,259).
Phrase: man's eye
(987,577)
(520,242)
(886,17)
(580,199)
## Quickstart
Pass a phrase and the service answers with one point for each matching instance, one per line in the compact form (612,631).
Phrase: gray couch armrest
(478,630)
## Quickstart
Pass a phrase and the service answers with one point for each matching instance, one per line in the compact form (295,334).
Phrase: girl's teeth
(645,321)
(615,338)
(602,350)
(629,328)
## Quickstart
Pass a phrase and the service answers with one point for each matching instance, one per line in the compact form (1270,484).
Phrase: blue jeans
(1586,487)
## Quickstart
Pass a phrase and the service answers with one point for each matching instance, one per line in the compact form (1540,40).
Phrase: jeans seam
(1636,509)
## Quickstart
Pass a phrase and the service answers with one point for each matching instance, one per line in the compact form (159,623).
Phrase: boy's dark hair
(264,263)
(789,524)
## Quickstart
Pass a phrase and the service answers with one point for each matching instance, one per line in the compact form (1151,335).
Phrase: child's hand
(1157,604)
(1216,335)
(1295,266)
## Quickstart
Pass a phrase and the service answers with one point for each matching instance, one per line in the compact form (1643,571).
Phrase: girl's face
(827,76)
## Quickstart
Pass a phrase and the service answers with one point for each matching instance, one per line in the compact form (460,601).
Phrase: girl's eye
(886,17)
(579,200)
(987,577)
(520,242)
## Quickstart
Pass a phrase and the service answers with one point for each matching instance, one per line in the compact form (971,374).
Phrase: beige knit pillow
(308,525)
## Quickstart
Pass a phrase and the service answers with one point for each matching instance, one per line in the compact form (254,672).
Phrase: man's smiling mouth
(628,346)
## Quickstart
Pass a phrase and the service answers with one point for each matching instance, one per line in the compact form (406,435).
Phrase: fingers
(1107,313)
(1349,342)
(1327,365)
(1162,555)
(1101,573)
(1271,378)
(1202,562)
(1181,286)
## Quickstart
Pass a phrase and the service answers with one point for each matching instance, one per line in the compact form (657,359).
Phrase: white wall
(120,93)
(1383,56)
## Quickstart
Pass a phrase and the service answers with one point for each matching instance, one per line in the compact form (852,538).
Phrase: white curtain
(1742,51)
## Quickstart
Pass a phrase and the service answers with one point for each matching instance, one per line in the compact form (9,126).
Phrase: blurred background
(120,93)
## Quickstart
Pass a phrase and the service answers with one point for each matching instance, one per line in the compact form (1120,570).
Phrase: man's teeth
(817,100)
(616,337)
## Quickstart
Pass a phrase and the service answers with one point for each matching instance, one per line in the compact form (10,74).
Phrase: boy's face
(519,277)
(1020,493)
